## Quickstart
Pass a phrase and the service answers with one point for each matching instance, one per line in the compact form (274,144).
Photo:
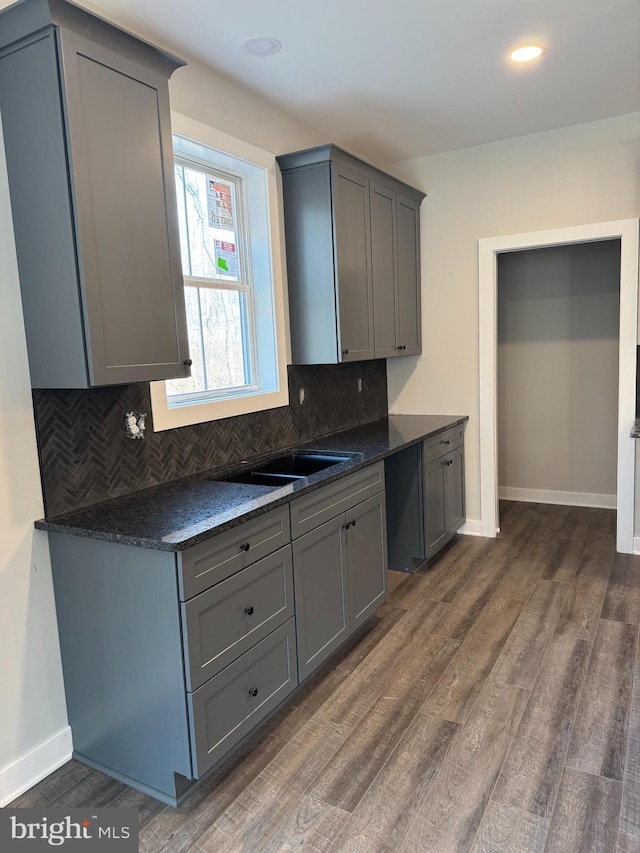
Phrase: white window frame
(273,392)
(245,285)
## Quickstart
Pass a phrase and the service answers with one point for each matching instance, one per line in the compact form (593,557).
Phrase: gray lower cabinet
(435,507)
(339,567)
(211,561)
(444,496)
(425,498)
(321,593)
(171,659)
(366,558)
(227,620)
(87,132)
(158,689)
(454,489)
(232,703)
(353,258)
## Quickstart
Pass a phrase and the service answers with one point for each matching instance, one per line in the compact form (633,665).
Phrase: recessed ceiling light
(262,46)
(526,53)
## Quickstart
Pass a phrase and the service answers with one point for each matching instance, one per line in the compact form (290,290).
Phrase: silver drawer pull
(253,692)
(245,546)
(249,611)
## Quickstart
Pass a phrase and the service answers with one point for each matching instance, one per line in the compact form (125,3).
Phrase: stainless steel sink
(285,469)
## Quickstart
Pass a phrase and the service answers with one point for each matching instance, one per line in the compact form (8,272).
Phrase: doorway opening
(626,232)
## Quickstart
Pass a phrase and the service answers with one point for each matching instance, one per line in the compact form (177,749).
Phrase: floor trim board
(34,766)
(550,496)
(471,527)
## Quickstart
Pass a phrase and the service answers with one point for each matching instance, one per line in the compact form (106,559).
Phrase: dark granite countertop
(176,515)
(635,429)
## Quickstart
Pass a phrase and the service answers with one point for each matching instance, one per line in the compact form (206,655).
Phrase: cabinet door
(383,269)
(454,489)
(126,215)
(435,513)
(321,594)
(352,263)
(408,320)
(367,558)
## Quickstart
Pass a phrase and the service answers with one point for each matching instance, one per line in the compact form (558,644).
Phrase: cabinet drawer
(229,705)
(442,443)
(223,622)
(218,558)
(317,507)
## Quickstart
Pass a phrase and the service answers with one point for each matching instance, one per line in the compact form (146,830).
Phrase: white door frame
(489,249)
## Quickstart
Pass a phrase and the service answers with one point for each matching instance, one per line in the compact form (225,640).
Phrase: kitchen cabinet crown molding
(29,16)
(333,153)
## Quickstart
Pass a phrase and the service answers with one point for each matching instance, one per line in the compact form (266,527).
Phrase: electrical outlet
(359,384)
(301,396)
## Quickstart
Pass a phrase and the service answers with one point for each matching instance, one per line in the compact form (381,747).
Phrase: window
(216,264)
(236,334)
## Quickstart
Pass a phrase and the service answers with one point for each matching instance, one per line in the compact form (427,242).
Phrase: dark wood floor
(490,706)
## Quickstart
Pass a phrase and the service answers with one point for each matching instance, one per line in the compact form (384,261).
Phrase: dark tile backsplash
(85,456)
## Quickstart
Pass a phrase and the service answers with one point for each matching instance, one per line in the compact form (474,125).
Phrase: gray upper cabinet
(86,122)
(408,324)
(352,246)
(395,272)
(383,206)
(352,235)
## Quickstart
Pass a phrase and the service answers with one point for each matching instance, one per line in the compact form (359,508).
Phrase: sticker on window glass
(219,204)
(226,258)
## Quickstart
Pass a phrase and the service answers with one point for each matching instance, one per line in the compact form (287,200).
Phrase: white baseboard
(636,545)
(544,496)
(18,777)
(471,528)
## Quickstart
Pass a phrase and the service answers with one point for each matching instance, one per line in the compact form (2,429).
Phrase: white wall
(574,176)
(32,706)
(34,737)
(558,317)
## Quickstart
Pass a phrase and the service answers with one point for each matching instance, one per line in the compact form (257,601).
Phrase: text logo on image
(33,830)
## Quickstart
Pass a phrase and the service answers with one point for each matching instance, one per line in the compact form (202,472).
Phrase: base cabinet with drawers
(171,659)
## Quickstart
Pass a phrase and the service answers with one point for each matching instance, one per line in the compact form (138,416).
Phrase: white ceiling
(402,79)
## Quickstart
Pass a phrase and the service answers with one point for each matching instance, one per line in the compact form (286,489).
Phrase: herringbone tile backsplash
(85,456)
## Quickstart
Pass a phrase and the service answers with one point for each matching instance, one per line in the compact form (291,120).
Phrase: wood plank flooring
(492,704)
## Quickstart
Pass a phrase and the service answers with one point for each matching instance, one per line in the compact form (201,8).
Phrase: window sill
(166,417)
